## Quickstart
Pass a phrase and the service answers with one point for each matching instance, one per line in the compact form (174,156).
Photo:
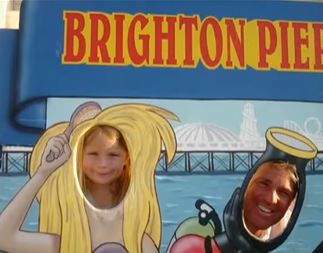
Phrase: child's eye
(114,154)
(92,153)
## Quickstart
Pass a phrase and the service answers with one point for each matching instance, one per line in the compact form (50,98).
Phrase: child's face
(267,198)
(103,160)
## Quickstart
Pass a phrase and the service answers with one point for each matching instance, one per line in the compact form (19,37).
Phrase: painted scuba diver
(261,213)
(94,179)
(194,234)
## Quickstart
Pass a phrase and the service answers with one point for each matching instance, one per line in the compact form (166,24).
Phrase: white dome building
(209,137)
(206,147)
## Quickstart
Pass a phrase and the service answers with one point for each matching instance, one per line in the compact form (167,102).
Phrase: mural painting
(157,127)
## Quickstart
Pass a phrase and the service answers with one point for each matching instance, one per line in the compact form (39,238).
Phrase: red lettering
(218,41)
(74,25)
(318,46)
(265,50)
(119,19)
(169,36)
(284,45)
(134,55)
(232,36)
(188,23)
(99,44)
(299,42)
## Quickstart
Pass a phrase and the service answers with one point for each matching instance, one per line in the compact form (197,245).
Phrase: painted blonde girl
(67,219)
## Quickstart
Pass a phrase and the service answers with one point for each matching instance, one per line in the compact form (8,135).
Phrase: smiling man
(268,199)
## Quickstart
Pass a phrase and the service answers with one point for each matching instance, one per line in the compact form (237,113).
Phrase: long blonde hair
(146,131)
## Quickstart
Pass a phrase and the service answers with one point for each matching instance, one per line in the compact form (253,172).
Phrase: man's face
(267,198)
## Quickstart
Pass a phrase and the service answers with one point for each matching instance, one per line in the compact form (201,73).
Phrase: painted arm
(13,239)
(148,246)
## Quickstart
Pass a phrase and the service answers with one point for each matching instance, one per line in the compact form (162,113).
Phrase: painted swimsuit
(110,248)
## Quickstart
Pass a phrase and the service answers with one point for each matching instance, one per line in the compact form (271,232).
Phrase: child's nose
(103,162)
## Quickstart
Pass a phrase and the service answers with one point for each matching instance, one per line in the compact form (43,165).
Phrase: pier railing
(15,160)
(222,162)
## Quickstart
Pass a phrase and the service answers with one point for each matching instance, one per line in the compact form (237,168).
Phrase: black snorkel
(283,145)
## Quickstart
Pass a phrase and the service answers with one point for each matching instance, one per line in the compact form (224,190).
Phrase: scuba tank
(194,234)
(203,234)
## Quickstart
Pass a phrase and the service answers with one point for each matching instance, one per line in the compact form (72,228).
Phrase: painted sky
(223,113)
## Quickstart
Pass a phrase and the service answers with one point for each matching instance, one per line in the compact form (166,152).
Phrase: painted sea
(177,196)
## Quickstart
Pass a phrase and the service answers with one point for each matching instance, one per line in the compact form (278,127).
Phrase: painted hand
(57,151)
